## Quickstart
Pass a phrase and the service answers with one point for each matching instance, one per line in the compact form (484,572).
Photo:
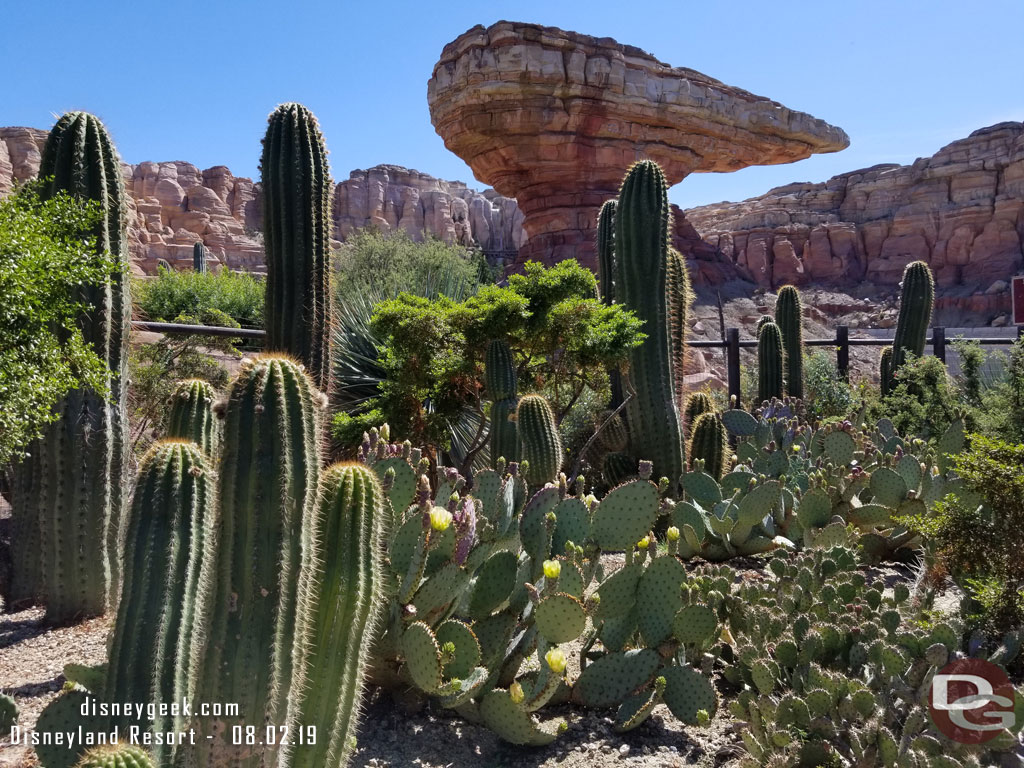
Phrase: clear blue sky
(194,81)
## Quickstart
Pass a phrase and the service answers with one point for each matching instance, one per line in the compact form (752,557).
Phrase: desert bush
(827,395)
(922,401)
(238,295)
(998,406)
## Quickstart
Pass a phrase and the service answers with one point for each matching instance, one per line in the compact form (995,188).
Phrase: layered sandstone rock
(175,204)
(961,210)
(555,118)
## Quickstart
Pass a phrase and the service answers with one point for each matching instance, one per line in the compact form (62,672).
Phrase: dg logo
(972,701)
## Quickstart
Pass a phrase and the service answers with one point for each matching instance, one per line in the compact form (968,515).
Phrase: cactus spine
(769,362)
(170,526)
(340,594)
(77,468)
(297,233)
(916,300)
(500,379)
(115,756)
(606,251)
(789,318)
(246,612)
(191,414)
(199,258)
(539,440)
(710,443)
(642,285)
(697,404)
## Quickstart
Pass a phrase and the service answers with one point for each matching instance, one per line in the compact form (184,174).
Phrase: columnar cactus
(642,285)
(500,379)
(916,300)
(115,756)
(789,318)
(340,597)
(709,442)
(696,404)
(297,235)
(190,416)
(539,440)
(606,251)
(885,370)
(247,599)
(769,362)
(199,257)
(679,298)
(170,529)
(78,465)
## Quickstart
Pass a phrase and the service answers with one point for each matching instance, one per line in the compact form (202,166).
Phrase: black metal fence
(732,344)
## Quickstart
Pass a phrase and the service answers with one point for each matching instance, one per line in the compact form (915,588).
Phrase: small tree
(44,255)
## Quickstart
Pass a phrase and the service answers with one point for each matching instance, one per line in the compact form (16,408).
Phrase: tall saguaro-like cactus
(340,597)
(267,482)
(916,301)
(170,528)
(606,251)
(539,440)
(789,318)
(642,285)
(679,298)
(77,469)
(199,256)
(502,386)
(770,354)
(297,235)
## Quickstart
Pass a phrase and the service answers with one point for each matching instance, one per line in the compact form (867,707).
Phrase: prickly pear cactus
(8,713)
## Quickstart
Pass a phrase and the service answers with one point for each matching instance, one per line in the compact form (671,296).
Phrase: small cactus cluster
(490,580)
(832,668)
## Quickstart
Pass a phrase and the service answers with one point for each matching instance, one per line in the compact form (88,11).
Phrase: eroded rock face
(961,210)
(555,118)
(175,204)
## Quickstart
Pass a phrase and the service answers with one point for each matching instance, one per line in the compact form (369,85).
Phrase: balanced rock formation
(961,210)
(175,204)
(555,118)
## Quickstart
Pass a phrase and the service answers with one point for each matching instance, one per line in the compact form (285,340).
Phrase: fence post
(732,340)
(843,351)
(939,343)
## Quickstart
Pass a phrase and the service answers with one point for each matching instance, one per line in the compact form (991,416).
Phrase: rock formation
(174,204)
(961,210)
(555,118)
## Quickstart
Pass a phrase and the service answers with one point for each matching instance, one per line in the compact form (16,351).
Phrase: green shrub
(923,401)
(238,295)
(826,395)
(999,407)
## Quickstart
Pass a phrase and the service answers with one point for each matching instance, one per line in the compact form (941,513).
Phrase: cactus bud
(556,660)
(515,692)
(552,569)
(644,542)
(703,718)
(440,519)
(672,534)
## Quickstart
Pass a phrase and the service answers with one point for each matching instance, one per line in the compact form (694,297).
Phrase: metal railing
(731,343)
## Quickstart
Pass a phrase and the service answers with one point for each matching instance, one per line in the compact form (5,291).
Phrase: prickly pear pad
(625,515)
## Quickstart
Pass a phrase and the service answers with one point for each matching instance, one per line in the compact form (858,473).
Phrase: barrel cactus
(916,300)
(709,443)
(770,356)
(190,415)
(297,236)
(540,442)
(246,609)
(789,318)
(644,285)
(171,525)
(77,468)
(199,256)
(115,756)
(340,597)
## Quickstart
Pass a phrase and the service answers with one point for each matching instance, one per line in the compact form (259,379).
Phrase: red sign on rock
(1018,300)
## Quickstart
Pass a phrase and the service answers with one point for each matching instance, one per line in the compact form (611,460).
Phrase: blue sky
(195,81)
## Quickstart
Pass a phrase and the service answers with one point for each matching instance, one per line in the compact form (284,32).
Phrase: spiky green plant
(171,525)
(340,597)
(709,443)
(789,318)
(247,600)
(8,713)
(679,298)
(76,470)
(540,443)
(297,238)
(190,414)
(885,370)
(770,356)
(916,300)
(500,380)
(643,285)
(115,756)
(764,319)
(696,404)
(606,251)
(199,257)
